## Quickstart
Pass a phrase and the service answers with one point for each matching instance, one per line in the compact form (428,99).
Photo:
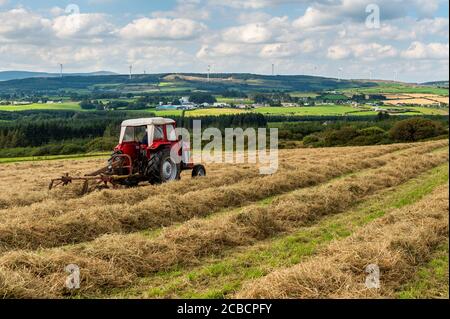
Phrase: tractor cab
(141,136)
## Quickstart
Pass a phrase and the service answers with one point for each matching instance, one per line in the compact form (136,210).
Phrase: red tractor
(143,154)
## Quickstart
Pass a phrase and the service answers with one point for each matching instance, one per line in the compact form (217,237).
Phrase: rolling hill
(160,83)
(20,75)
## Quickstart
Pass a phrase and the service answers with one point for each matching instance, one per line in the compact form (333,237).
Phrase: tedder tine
(99,172)
(85,188)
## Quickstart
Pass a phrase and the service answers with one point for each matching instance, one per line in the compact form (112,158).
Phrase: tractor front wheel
(198,171)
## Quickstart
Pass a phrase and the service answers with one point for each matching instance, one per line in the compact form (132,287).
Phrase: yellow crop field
(416,99)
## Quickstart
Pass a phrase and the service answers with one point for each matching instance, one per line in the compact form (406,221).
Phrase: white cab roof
(147,121)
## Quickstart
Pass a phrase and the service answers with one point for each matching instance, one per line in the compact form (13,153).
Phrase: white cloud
(427,8)
(83,25)
(225,49)
(162,28)
(188,9)
(250,33)
(362,51)
(419,50)
(284,50)
(255,4)
(20,24)
(235,36)
(57,11)
(338,52)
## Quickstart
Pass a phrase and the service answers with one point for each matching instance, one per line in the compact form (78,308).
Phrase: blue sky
(335,38)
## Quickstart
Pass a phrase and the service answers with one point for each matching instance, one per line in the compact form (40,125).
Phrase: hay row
(397,243)
(112,261)
(87,224)
(198,238)
(59,201)
(28,184)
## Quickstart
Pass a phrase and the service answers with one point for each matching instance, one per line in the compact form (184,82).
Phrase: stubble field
(308,231)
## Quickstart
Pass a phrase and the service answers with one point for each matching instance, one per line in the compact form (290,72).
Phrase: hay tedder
(149,150)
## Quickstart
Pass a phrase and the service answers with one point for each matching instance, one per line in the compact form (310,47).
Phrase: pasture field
(68,106)
(306,231)
(330,110)
(320,110)
(326,110)
(398,88)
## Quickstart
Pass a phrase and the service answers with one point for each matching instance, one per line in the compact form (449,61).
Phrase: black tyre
(161,168)
(198,171)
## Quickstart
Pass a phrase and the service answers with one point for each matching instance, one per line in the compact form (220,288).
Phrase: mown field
(307,231)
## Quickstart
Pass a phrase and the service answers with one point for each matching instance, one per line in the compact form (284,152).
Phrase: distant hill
(180,83)
(20,75)
(436,83)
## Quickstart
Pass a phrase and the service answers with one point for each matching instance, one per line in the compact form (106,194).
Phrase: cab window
(135,134)
(140,134)
(159,133)
(129,134)
(171,133)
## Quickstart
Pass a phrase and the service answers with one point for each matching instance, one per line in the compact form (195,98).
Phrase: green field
(230,100)
(393,88)
(324,110)
(68,106)
(50,157)
(310,110)
(198,113)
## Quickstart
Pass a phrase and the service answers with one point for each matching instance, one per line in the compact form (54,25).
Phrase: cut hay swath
(34,178)
(54,228)
(15,195)
(396,244)
(115,260)
(29,182)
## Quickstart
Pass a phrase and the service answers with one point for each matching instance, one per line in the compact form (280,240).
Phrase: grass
(325,110)
(430,111)
(393,88)
(230,100)
(218,278)
(197,113)
(311,110)
(49,157)
(431,280)
(308,110)
(68,106)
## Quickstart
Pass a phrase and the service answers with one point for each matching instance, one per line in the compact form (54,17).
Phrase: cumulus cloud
(284,50)
(84,25)
(338,52)
(250,33)
(189,9)
(419,50)
(317,37)
(162,28)
(362,51)
(20,24)
(256,4)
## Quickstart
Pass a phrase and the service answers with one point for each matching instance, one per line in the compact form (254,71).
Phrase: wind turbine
(341,71)
(209,72)
(61,70)
(131,70)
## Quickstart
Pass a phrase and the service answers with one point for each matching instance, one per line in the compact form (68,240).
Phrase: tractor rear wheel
(161,168)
